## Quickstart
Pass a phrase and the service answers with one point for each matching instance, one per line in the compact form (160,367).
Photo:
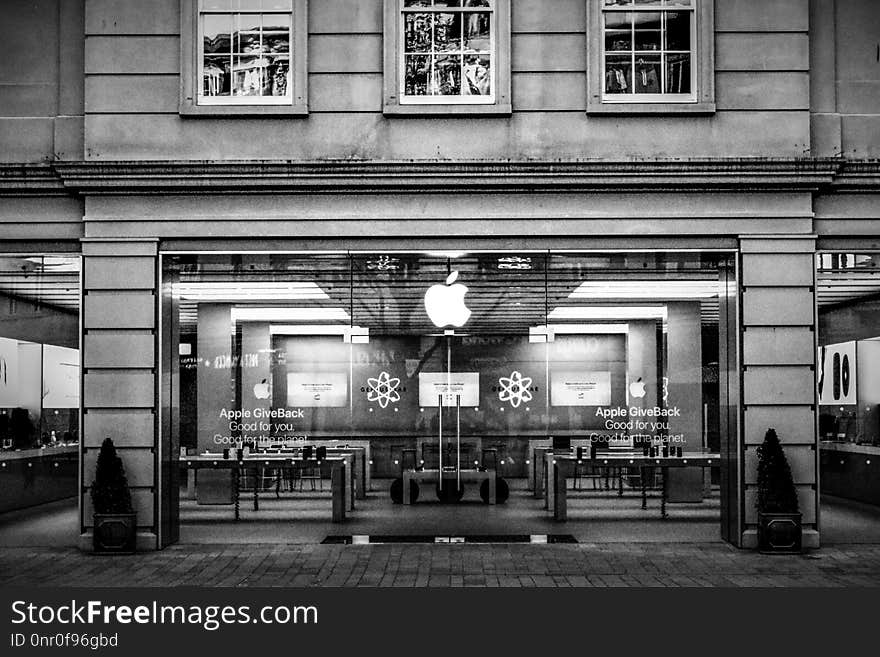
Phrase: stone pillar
(778,323)
(119,323)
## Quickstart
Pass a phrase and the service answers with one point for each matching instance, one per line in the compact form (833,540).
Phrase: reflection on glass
(678,74)
(246,55)
(618,74)
(460,44)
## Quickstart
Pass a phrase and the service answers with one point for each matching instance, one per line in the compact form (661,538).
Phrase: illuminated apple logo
(445,303)
(261,390)
(637,389)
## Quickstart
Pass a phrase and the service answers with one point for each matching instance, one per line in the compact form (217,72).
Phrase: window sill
(419,110)
(233,111)
(650,108)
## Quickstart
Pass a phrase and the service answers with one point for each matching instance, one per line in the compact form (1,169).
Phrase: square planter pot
(115,533)
(779,533)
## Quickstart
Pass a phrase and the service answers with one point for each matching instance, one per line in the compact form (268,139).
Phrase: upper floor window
(249,56)
(446,53)
(651,55)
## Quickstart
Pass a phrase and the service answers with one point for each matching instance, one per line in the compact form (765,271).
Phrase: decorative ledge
(340,176)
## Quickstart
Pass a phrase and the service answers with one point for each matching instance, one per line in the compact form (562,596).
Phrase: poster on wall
(60,377)
(9,396)
(464,384)
(580,388)
(837,373)
(317,389)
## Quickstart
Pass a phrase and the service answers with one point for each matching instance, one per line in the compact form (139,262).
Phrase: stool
(312,473)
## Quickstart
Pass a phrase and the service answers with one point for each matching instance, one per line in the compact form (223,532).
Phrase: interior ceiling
(46,280)
(842,278)
(506,293)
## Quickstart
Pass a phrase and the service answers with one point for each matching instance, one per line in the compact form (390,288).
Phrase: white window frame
(193,102)
(700,100)
(662,10)
(395,103)
(452,100)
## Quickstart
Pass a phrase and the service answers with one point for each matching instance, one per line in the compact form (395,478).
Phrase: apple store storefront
(448,394)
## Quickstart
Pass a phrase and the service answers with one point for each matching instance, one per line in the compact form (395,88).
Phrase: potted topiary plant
(779,521)
(114,518)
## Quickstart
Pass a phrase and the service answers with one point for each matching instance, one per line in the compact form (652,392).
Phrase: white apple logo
(261,390)
(445,303)
(637,389)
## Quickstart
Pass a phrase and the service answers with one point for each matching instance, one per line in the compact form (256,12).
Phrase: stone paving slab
(510,565)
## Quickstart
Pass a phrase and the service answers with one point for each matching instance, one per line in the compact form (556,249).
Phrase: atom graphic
(383,390)
(515,389)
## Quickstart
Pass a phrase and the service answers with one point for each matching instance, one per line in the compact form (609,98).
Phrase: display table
(850,470)
(29,477)
(341,472)
(559,467)
(433,476)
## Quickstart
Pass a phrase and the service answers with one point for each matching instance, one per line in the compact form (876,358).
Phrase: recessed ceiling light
(232,291)
(646,289)
(610,313)
(289,314)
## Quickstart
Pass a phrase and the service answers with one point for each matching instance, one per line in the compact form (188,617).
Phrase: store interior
(455,363)
(848,373)
(39,380)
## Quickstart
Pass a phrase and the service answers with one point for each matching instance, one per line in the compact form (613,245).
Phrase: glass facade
(39,379)
(442,356)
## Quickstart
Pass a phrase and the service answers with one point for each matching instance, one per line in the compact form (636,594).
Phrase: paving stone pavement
(513,565)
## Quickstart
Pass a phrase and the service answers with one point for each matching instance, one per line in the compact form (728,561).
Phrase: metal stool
(312,473)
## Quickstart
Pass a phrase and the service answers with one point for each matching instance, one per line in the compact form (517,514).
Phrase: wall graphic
(580,388)
(837,373)
(9,373)
(515,389)
(60,377)
(317,389)
(383,389)
(464,384)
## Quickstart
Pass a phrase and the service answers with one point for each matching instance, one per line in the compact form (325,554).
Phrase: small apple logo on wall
(445,303)
(637,389)
(261,390)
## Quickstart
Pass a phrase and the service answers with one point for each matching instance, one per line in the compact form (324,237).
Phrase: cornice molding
(340,176)
(354,176)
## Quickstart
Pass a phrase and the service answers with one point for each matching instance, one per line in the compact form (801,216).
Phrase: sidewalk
(609,564)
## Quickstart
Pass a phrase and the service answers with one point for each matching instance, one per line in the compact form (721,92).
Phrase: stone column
(778,323)
(119,323)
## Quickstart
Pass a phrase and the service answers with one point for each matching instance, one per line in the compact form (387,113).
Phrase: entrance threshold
(379,539)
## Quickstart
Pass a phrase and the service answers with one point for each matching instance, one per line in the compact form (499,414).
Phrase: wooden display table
(341,472)
(433,476)
(559,467)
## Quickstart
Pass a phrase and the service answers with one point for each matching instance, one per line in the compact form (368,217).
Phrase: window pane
(215,76)
(216,32)
(679,3)
(248,4)
(612,3)
(476,3)
(447,76)
(478,34)
(618,40)
(447,3)
(247,39)
(250,76)
(647,33)
(678,74)
(417,74)
(418,33)
(447,32)
(647,77)
(277,4)
(654,3)
(276,34)
(278,75)
(618,21)
(618,74)
(478,76)
(219,4)
(647,20)
(678,30)
(417,3)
